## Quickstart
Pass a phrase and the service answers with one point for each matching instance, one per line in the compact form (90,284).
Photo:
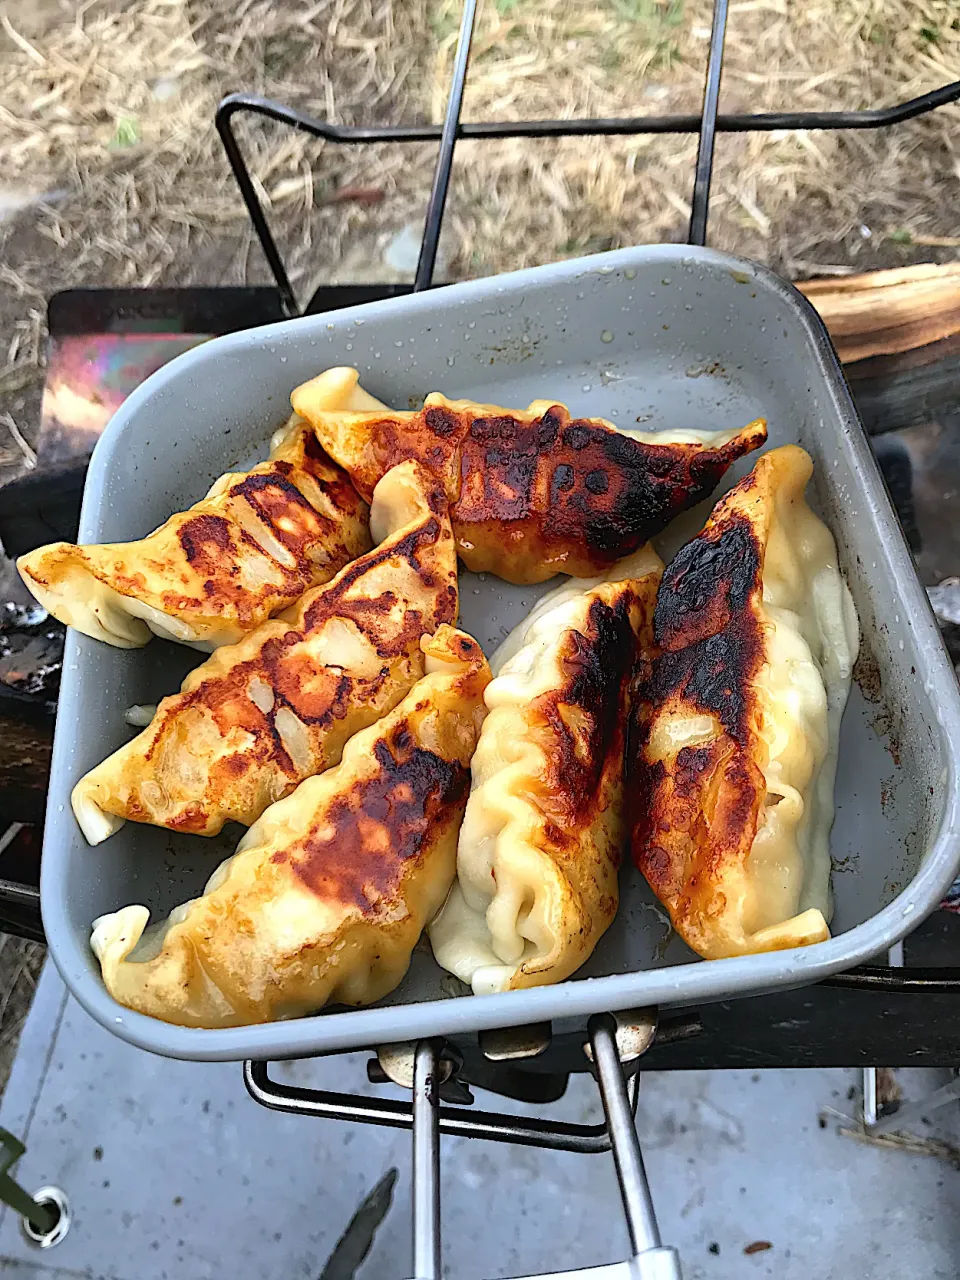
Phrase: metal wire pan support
(707,124)
(426,1068)
(649,1260)
(521,1131)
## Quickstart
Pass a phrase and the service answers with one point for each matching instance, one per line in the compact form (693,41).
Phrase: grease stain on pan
(888,719)
(706,369)
(851,862)
(513,349)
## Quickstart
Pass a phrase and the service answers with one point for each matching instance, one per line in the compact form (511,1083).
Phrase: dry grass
(106,111)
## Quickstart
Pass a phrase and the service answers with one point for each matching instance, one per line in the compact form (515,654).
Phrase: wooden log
(898,336)
(886,313)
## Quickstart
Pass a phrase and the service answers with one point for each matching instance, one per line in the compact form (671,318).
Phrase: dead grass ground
(109,154)
(111,172)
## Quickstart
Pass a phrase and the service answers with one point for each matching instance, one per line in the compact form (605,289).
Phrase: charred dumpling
(330,890)
(541,842)
(258,717)
(534,492)
(211,574)
(736,729)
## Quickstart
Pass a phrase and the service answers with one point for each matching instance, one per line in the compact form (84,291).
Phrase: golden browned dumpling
(543,835)
(533,492)
(260,716)
(209,575)
(738,725)
(328,893)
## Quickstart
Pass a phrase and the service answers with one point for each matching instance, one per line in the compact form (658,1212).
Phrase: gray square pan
(667,336)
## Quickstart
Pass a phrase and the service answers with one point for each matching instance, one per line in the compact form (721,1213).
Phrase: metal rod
(426,1161)
(908,981)
(224,122)
(894,1122)
(522,1131)
(42,1216)
(637,1201)
(448,140)
(761,122)
(700,204)
(869,1096)
(22,894)
(235,103)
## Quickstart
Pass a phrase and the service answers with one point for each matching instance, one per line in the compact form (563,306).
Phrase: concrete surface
(173,1172)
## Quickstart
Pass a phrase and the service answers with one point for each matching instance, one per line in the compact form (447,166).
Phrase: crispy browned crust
(328,895)
(583,719)
(214,545)
(193,567)
(582,732)
(532,494)
(240,780)
(374,834)
(695,813)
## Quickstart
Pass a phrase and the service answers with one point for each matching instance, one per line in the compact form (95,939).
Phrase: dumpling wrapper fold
(211,574)
(258,717)
(544,832)
(534,492)
(329,891)
(737,727)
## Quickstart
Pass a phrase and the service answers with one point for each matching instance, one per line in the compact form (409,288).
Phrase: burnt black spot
(502,428)
(714,674)
(548,429)
(586,714)
(620,449)
(442,422)
(708,581)
(577,436)
(691,764)
(625,491)
(564,478)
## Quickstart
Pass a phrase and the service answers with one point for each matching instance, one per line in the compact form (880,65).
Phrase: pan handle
(650,1260)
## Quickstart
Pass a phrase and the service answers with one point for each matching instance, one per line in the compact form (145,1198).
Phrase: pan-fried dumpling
(258,717)
(328,893)
(738,724)
(211,574)
(533,493)
(541,842)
